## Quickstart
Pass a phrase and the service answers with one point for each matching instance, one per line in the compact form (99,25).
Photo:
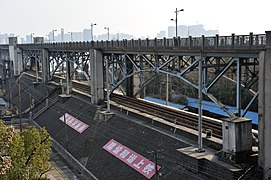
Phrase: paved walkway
(60,170)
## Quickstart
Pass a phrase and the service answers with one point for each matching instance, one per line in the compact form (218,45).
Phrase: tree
(24,155)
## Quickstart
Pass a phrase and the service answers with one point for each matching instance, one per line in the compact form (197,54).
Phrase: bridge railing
(251,41)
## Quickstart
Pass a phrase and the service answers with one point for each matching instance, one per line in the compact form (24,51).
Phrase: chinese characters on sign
(74,123)
(131,158)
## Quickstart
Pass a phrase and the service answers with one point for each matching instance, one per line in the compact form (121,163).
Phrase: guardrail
(251,41)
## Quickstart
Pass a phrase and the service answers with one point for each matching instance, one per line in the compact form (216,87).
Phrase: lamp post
(71,35)
(107,28)
(53,34)
(31,37)
(176,20)
(92,30)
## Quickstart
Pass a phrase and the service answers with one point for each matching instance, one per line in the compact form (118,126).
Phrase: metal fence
(72,161)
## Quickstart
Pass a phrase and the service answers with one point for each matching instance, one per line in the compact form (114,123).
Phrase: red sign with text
(74,123)
(131,158)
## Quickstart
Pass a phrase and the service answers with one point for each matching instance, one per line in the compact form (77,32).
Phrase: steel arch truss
(32,60)
(242,71)
(79,63)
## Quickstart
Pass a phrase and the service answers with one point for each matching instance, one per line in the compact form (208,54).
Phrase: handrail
(251,41)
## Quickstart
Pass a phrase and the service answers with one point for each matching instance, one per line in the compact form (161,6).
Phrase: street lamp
(71,35)
(31,37)
(53,34)
(176,20)
(107,28)
(92,30)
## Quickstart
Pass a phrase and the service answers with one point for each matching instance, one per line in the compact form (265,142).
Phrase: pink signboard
(74,123)
(131,158)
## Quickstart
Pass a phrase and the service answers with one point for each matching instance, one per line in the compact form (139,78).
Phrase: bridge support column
(15,56)
(264,100)
(20,60)
(45,66)
(96,74)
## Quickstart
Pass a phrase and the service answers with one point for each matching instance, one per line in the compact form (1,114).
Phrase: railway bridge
(123,65)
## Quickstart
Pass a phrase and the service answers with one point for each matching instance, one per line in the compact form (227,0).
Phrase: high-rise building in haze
(77,36)
(193,30)
(62,34)
(161,35)
(86,35)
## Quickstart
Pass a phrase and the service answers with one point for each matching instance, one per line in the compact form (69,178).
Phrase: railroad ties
(179,117)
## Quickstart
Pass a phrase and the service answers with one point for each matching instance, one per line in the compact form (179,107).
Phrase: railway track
(178,117)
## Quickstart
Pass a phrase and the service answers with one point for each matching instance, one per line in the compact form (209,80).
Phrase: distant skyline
(138,18)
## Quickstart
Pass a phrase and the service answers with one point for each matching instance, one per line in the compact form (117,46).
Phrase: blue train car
(207,106)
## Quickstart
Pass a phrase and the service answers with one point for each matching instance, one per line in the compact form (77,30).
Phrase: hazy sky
(137,17)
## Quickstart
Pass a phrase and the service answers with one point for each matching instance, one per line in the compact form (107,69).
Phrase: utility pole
(154,152)
(10,93)
(107,86)
(156,166)
(66,134)
(30,104)
(200,149)
(20,104)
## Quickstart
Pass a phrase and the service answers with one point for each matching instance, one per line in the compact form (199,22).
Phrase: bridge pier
(264,100)
(45,66)
(96,74)
(15,55)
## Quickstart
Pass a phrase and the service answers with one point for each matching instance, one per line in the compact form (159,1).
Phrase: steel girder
(214,68)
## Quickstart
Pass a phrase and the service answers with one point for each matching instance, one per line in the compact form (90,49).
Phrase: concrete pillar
(13,55)
(264,100)
(20,60)
(130,80)
(45,66)
(96,76)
